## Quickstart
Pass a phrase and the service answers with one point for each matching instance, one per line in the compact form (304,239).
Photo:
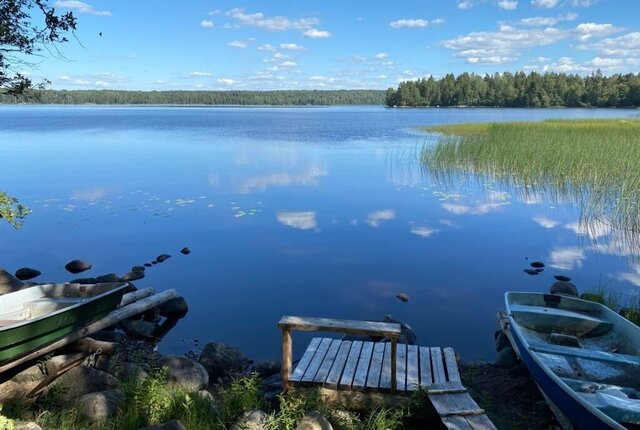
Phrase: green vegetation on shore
(519,90)
(12,211)
(246,98)
(593,163)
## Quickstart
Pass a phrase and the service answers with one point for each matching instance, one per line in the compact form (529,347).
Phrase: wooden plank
(480,422)
(455,404)
(325,367)
(298,373)
(452,364)
(316,361)
(426,378)
(373,379)
(287,359)
(360,378)
(385,375)
(413,375)
(367,328)
(437,365)
(338,365)
(350,367)
(401,369)
(456,423)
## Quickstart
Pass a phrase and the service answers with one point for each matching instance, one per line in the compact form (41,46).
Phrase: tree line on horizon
(282,98)
(519,90)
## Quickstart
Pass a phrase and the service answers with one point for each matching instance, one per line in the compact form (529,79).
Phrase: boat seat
(587,354)
(4,323)
(40,307)
(554,320)
(564,340)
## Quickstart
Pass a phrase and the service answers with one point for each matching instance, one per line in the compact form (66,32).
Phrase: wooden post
(287,353)
(394,358)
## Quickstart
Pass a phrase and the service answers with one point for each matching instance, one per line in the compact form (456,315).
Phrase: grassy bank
(594,163)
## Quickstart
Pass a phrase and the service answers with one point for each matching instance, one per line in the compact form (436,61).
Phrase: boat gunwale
(64,309)
(516,330)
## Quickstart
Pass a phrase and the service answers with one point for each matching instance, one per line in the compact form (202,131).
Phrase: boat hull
(21,339)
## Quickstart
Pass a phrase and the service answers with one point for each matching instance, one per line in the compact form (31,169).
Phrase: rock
(133,276)
(174,308)
(403,297)
(253,419)
(77,266)
(26,273)
(83,380)
(97,407)
(138,269)
(109,277)
(407,335)
(506,358)
(27,426)
(162,258)
(565,288)
(154,262)
(107,336)
(185,251)
(152,315)
(539,270)
(531,272)
(537,264)
(220,360)
(137,328)
(130,288)
(84,281)
(19,386)
(169,425)
(8,282)
(313,420)
(267,368)
(130,372)
(502,341)
(344,419)
(184,373)
(148,264)
(562,278)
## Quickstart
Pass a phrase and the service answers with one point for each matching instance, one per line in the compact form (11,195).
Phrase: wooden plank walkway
(366,366)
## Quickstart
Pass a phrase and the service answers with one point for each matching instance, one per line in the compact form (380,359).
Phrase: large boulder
(174,308)
(407,335)
(26,273)
(220,360)
(253,419)
(8,282)
(97,407)
(82,380)
(506,358)
(184,373)
(313,420)
(77,266)
(135,328)
(130,372)
(169,425)
(564,288)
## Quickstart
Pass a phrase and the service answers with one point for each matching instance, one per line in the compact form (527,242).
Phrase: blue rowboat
(583,356)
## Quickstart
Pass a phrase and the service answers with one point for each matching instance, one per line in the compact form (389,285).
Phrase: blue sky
(328,44)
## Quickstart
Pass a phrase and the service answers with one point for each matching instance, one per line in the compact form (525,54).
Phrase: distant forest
(519,90)
(117,97)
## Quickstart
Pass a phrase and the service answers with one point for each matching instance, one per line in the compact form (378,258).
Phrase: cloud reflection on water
(300,220)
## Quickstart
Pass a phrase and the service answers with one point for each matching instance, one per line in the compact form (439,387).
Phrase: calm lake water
(299,211)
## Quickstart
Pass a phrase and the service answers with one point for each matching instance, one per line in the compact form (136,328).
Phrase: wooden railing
(367,328)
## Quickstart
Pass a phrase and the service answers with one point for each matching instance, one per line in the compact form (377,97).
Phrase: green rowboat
(40,315)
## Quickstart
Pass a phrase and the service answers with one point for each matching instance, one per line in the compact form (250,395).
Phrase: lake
(301,211)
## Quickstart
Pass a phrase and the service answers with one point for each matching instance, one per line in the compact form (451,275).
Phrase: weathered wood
(111,319)
(452,364)
(350,367)
(437,365)
(134,296)
(456,423)
(367,328)
(91,345)
(394,364)
(401,368)
(287,358)
(480,422)
(413,376)
(333,380)
(298,373)
(448,404)
(385,375)
(360,378)
(373,379)
(325,367)
(426,377)
(317,360)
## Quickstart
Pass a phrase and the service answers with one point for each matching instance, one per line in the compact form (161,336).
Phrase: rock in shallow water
(138,269)
(133,276)
(174,308)
(531,272)
(162,258)
(26,273)
(403,297)
(77,266)
(562,278)
(109,277)
(537,264)
(185,251)
(565,288)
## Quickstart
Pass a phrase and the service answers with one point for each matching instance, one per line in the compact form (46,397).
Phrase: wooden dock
(386,367)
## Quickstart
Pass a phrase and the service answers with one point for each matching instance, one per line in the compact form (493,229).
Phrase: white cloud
(566,258)
(299,220)
(313,33)
(381,56)
(584,3)
(214,12)
(424,231)
(375,219)
(198,74)
(587,30)
(206,24)
(319,78)
(292,47)
(288,64)
(275,23)
(65,78)
(546,21)
(226,81)
(81,7)
(545,222)
(466,4)
(239,44)
(415,23)
(502,46)
(266,47)
(627,45)
(102,84)
(508,4)
(547,4)
(568,65)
